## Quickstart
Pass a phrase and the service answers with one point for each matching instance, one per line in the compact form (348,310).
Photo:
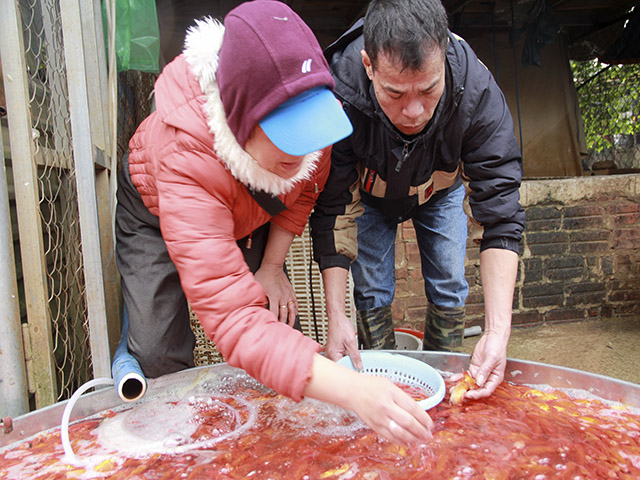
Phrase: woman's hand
(389,411)
(379,403)
(282,298)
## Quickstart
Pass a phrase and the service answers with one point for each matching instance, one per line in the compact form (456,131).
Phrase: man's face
(407,97)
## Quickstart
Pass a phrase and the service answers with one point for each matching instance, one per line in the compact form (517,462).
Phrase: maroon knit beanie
(268,56)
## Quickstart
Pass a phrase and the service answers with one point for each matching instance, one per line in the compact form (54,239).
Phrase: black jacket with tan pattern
(469,138)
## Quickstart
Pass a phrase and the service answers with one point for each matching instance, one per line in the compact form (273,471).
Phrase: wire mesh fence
(609,98)
(55,153)
(56,195)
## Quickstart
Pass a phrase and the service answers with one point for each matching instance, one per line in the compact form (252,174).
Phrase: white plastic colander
(404,370)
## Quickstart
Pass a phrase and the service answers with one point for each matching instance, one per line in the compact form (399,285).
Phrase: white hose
(69,456)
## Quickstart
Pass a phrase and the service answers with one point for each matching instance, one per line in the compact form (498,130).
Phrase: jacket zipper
(405,154)
(458,95)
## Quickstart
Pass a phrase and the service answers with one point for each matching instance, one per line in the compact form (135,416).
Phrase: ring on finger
(289,302)
(393,425)
(283,306)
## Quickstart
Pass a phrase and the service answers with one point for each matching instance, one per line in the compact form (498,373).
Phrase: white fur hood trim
(202,44)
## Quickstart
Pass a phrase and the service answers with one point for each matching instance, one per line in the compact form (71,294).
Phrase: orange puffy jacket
(194,176)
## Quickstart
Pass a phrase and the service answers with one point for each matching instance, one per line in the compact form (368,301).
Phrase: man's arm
(493,165)
(334,233)
(498,270)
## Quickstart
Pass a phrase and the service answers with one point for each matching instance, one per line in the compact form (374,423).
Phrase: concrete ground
(608,347)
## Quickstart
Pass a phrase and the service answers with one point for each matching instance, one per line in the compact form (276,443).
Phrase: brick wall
(579,257)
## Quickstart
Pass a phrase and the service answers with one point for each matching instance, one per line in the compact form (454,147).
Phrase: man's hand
(341,337)
(282,298)
(488,363)
(342,340)
(498,269)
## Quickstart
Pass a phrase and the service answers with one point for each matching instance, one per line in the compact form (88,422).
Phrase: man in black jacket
(428,118)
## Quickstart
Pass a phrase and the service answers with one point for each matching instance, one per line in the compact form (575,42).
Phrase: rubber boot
(375,329)
(443,328)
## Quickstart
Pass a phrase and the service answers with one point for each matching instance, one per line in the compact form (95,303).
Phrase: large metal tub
(517,371)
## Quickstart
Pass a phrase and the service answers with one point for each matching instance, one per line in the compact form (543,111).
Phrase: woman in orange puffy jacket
(218,180)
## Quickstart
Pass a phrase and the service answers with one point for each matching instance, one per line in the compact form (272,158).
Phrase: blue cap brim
(306,123)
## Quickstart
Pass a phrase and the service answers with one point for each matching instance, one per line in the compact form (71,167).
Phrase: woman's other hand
(282,298)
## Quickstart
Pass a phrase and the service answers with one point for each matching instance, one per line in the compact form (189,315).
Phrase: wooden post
(26,191)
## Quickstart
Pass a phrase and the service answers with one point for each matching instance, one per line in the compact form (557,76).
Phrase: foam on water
(311,417)
(581,394)
(148,428)
(168,427)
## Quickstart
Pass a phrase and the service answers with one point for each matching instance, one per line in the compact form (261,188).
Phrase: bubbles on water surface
(173,426)
(158,421)
(309,417)
(231,383)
